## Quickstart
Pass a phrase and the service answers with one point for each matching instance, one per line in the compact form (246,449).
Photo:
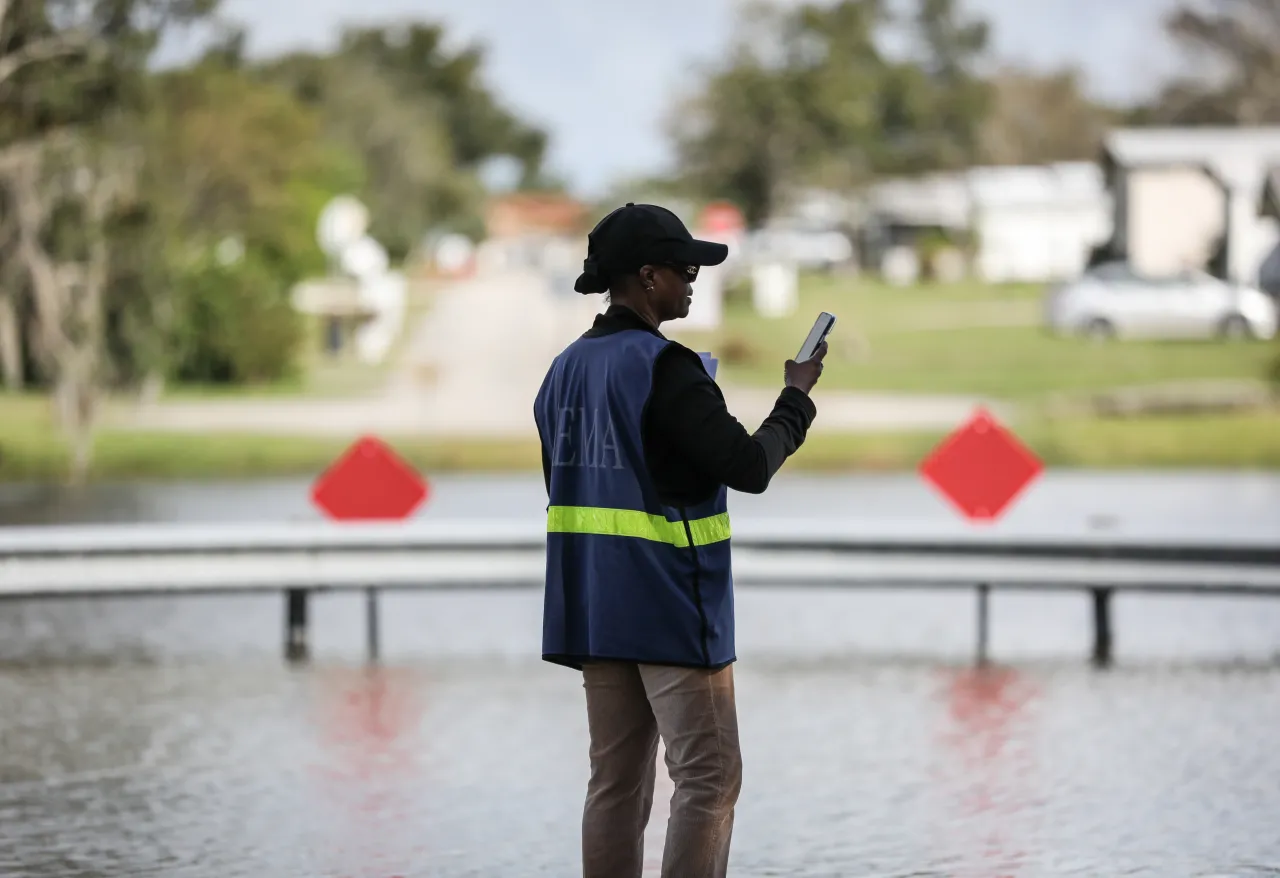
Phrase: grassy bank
(965,338)
(1237,441)
(30,450)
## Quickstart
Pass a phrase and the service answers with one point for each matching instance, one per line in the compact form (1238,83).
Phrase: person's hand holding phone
(803,376)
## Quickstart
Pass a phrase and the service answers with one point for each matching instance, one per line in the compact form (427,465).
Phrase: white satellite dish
(364,259)
(342,223)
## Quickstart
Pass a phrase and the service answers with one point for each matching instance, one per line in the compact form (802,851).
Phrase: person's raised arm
(689,410)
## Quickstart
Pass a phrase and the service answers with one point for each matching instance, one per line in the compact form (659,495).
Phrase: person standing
(638,451)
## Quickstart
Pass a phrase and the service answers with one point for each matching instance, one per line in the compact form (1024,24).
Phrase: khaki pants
(628,707)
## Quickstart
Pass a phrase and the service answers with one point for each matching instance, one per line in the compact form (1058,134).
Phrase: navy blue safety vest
(628,577)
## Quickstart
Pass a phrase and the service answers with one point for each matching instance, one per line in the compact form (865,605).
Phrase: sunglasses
(690,272)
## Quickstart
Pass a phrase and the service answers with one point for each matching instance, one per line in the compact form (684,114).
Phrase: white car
(1110,300)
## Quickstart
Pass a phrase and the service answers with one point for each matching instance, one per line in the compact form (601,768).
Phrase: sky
(601,75)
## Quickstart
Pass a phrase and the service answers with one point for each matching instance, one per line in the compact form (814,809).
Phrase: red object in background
(981,468)
(721,218)
(369,482)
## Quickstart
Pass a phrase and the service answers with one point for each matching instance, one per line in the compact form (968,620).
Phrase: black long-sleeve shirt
(692,444)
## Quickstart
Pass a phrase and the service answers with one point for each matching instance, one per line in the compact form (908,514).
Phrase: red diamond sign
(981,468)
(369,482)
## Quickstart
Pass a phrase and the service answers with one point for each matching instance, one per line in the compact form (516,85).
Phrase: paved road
(474,365)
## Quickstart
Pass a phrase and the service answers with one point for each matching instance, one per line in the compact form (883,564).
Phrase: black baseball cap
(637,235)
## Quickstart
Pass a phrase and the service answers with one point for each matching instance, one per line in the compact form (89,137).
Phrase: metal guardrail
(299,559)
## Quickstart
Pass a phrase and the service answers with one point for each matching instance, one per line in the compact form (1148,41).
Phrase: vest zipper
(697,588)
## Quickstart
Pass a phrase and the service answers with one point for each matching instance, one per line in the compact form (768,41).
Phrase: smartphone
(817,335)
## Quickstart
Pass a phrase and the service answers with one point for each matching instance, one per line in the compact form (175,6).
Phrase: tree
(414,58)
(411,182)
(236,176)
(806,98)
(12,366)
(739,138)
(422,121)
(796,102)
(1233,50)
(70,71)
(68,188)
(950,48)
(1038,118)
(27,44)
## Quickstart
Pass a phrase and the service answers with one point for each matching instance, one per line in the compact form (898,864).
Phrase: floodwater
(165,737)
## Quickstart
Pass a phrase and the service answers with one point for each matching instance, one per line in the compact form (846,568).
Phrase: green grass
(950,339)
(1236,441)
(30,449)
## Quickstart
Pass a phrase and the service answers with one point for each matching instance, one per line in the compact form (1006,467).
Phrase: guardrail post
(1101,627)
(984,595)
(295,625)
(371,622)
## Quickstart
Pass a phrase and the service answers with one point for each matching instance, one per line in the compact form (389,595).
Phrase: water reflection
(476,768)
(54,504)
(369,771)
(366,719)
(987,738)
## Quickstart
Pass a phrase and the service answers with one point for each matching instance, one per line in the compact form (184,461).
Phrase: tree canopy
(153,223)
(1232,70)
(807,96)
(421,120)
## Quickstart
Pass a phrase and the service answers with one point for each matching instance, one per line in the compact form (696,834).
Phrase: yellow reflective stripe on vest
(634,523)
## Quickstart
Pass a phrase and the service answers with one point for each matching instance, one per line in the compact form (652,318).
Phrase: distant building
(1188,198)
(1037,223)
(523,214)
(817,206)
(543,232)
(896,216)
(337,303)
(1020,223)
(900,208)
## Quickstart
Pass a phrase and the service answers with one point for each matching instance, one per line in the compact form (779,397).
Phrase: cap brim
(589,283)
(705,252)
